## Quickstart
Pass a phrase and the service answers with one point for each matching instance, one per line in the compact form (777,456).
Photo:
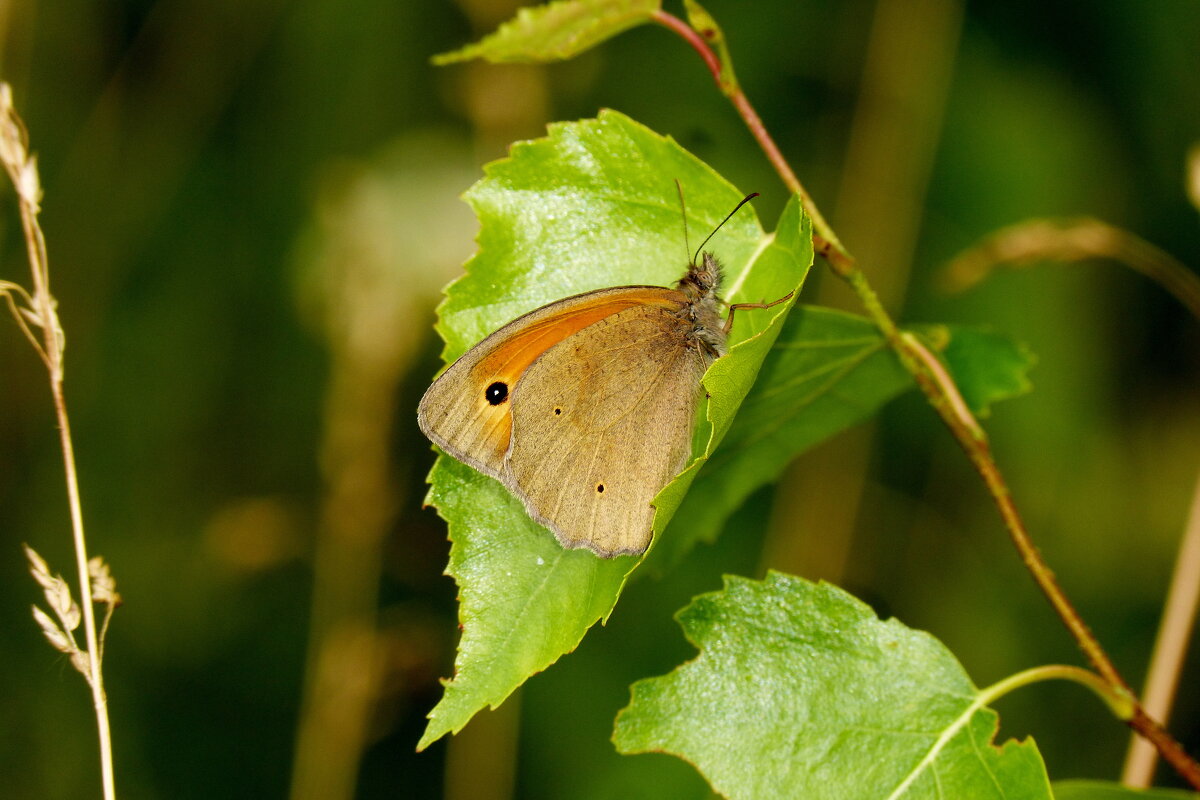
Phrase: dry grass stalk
(37,310)
(1072,240)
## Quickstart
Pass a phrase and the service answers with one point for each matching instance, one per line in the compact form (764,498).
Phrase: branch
(937,386)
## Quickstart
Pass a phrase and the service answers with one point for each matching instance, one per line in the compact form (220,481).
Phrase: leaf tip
(452,57)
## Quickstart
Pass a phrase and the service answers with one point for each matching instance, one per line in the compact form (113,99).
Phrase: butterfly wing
(467,411)
(601,422)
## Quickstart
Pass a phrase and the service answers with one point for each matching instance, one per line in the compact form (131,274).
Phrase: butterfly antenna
(683,210)
(745,200)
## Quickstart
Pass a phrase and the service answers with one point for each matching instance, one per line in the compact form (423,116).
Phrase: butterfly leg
(735,306)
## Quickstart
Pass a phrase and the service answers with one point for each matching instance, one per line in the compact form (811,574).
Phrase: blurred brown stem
(344,655)
(1170,647)
(369,353)
(1073,240)
(939,390)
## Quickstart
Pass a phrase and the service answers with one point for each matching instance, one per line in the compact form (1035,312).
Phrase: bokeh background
(251,209)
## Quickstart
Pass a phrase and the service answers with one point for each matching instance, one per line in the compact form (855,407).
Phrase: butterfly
(584,408)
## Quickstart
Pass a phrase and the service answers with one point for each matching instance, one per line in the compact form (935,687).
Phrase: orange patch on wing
(512,357)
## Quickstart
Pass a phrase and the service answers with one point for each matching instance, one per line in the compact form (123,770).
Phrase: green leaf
(523,599)
(1102,790)
(987,366)
(828,371)
(801,691)
(556,31)
(592,205)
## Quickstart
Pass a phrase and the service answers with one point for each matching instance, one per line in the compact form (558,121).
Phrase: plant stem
(1074,240)
(939,389)
(99,698)
(1171,645)
(1119,703)
(24,177)
(753,122)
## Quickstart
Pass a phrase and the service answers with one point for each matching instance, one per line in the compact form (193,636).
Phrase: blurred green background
(250,210)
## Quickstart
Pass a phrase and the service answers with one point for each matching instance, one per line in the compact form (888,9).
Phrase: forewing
(601,422)
(455,411)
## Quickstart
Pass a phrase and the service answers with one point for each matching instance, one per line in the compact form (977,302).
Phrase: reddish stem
(823,239)
(697,42)
(969,436)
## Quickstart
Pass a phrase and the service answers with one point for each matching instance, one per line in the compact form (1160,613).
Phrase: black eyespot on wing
(497,393)
(600,488)
(557,411)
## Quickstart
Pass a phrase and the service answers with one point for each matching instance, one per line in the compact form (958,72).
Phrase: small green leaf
(556,31)
(801,691)
(591,205)
(987,366)
(1103,790)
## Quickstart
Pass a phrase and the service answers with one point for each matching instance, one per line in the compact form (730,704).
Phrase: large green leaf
(591,205)
(801,691)
(523,599)
(555,31)
(1103,790)
(828,371)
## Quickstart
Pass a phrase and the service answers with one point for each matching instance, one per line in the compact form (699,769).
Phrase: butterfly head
(699,287)
(701,279)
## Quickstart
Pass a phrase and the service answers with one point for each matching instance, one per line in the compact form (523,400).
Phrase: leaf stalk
(1120,703)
